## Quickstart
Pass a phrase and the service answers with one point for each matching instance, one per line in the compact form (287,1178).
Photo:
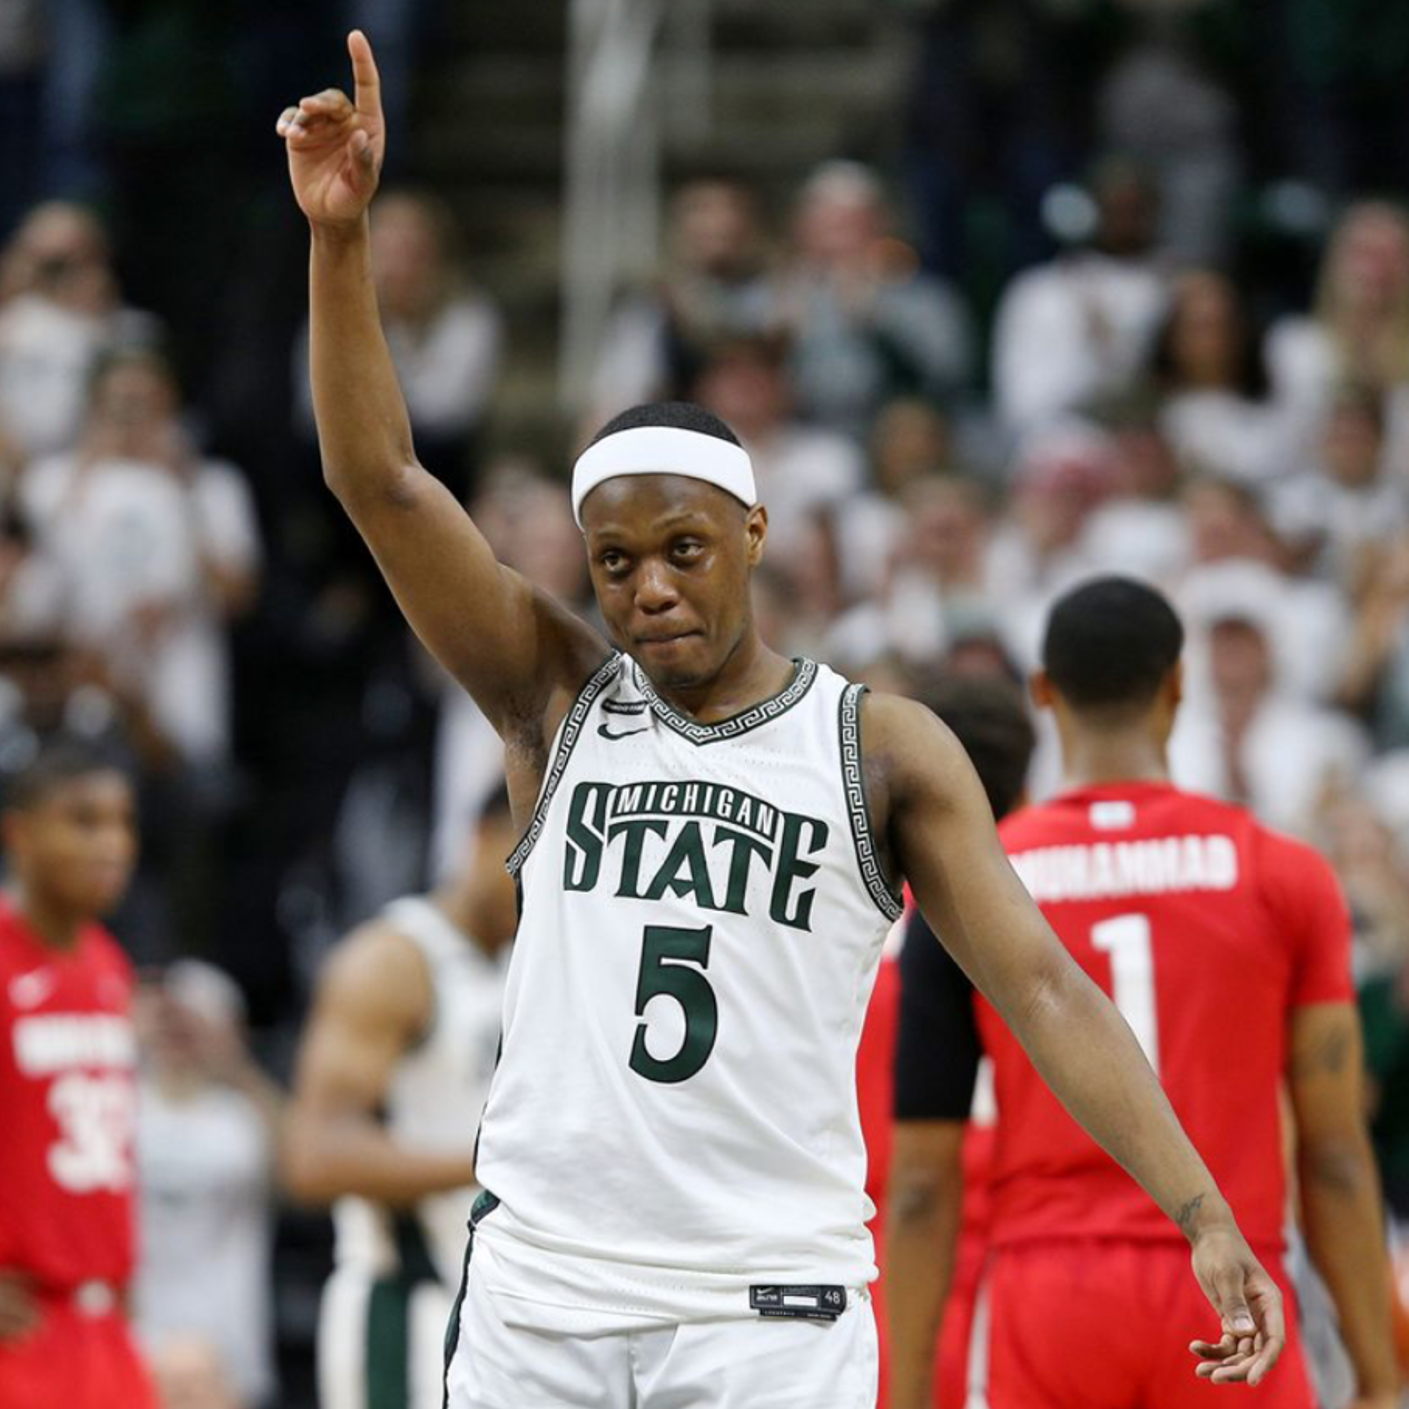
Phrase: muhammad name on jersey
(702,842)
(1111,870)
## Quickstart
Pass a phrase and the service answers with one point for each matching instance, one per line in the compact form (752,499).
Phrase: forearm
(351,1156)
(1087,1054)
(921,1237)
(1345,1237)
(364,431)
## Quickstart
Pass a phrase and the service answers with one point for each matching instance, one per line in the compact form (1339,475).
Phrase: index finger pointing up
(367,93)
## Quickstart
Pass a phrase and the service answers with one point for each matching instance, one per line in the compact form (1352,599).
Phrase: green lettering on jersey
(744,849)
(793,868)
(635,833)
(684,872)
(587,815)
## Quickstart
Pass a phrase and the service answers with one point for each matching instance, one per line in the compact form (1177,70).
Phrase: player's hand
(336,144)
(19,1310)
(1249,1309)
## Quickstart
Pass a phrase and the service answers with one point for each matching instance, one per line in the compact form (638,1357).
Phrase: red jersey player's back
(67,1069)
(1156,892)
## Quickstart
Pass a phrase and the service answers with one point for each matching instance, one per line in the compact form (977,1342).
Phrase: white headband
(663,450)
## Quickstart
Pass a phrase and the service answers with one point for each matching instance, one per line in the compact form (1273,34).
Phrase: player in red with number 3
(1227,949)
(67,1099)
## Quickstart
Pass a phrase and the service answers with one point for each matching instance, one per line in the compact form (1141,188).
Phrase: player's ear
(756,534)
(1041,689)
(1175,685)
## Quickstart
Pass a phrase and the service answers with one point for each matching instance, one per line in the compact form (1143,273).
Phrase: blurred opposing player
(942,1133)
(714,838)
(1160,895)
(67,1091)
(390,1087)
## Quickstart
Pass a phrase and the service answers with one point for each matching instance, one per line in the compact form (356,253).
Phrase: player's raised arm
(941,831)
(509,645)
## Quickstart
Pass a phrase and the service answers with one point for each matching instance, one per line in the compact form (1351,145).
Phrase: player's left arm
(1340,1188)
(939,829)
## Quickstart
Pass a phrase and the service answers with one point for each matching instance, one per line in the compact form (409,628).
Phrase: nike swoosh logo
(31,989)
(625,733)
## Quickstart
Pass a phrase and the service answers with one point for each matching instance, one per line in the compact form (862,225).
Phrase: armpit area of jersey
(937,1046)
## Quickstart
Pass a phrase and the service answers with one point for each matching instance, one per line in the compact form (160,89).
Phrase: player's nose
(655,592)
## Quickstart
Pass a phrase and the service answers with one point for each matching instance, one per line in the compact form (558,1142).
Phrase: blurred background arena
(998,293)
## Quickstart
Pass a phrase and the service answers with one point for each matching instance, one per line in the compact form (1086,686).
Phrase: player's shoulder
(105,951)
(377,973)
(1286,865)
(905,729)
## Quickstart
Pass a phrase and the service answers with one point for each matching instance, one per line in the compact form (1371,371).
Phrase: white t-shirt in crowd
(206,1171)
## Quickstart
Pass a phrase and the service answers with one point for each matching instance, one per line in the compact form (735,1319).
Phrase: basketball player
(390,1086)
(1160,895)
(713,841)
(943,1121)
(67,1091)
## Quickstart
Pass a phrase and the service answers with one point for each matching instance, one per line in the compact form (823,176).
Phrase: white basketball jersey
(674,1119)
(434,1101)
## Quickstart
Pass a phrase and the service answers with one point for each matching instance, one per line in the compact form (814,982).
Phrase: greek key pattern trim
(752,718)
(854,785)
(567,741)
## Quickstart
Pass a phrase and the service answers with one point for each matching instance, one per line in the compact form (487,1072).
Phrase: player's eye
(687,549)
(613,561)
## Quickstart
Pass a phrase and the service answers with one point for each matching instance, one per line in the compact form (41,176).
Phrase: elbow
(303,1172)
(397,484)
(1337,1167)
(917,1196)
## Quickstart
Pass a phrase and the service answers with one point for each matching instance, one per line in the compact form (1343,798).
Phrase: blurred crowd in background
(1129,292)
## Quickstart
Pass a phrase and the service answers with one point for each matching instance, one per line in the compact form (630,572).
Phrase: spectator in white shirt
(1080,328)
(1244,735)
(64,311)
(1358,330)
(207,1138)
(1343,512)
(156,549)
(1216,412)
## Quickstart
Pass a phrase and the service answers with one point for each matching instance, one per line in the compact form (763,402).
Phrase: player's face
(78,844)
(670,559)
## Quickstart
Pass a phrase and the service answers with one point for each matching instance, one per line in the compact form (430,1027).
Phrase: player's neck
(1091,761)
(55,927)
(752,673)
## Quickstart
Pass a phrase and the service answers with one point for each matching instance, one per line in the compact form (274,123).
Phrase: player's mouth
(664,643)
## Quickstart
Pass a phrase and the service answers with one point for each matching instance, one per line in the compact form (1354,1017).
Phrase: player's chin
(679,662)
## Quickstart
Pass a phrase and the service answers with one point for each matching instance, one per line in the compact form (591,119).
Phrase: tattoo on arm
(1186,1215)
(1328,1057)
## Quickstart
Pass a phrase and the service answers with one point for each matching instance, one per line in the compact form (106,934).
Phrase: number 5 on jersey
(673,963)
(1126,938)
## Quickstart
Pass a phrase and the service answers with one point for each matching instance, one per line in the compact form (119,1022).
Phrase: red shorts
(1107,1326)
(75,1361)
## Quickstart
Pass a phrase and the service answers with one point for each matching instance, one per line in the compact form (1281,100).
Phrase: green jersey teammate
(713,840)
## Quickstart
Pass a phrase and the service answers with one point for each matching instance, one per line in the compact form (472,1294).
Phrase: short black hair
(1111,643)
(677,415)
(989,716)
(58,761)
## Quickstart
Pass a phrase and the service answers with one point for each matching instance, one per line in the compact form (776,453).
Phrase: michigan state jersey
(433,1102)
(672,1131)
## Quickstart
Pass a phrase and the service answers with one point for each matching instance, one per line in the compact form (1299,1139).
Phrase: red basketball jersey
(67,1107)
(1207,930)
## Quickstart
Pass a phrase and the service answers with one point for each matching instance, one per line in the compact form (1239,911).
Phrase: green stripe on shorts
(388,1345)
